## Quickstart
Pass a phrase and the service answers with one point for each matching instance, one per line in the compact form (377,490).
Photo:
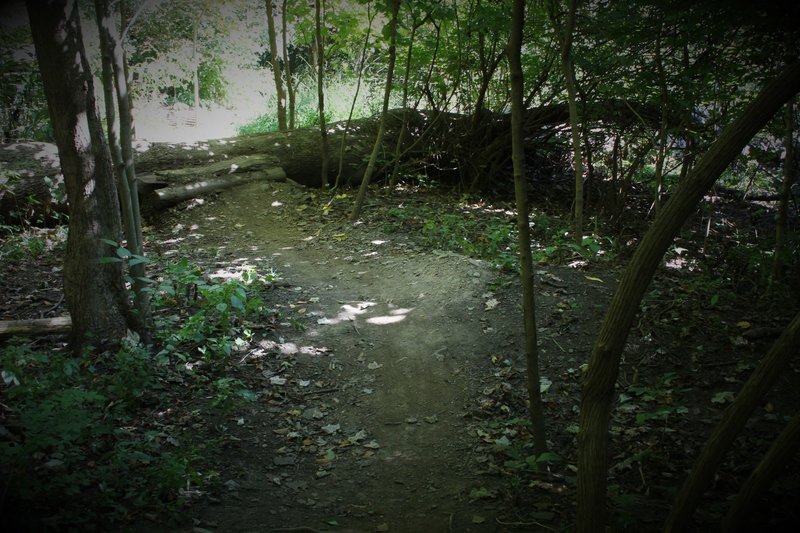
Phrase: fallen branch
(38,326)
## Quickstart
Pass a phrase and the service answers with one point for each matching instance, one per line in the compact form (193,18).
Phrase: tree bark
(362,190)
(780,453)
(603,370)
(94,292)
(523,229)
(321,92)
(287,68)
(37,326)
(114,77)
(782,220)
(276,66)
(733,420)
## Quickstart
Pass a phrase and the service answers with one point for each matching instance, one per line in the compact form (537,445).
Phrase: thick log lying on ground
(454,137)
(167,196)
(38,326)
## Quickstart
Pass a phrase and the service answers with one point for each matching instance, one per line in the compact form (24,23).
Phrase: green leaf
(248,395)
(123,252)
(103,260)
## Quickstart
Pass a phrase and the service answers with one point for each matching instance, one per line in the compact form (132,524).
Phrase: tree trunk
(370,17)
(113,68)
(733,420)
(276,66)
(400,137)
(523,228)
(598,386)
(321,92)
(574,119)
(362,190)
(287,68)
(302,162)
(161,198)
(782,451)
(94,292)
(783,207)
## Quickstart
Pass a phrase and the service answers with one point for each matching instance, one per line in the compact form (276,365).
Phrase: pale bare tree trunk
(523,228)
(601,376)
(195,67)
(362,190)
(661,150)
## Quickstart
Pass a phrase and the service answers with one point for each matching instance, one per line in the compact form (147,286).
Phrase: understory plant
(81,447)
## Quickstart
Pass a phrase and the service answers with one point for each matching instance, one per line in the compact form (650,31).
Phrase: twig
(322,391)
(60,299)
(293,529)
(556,343)
(531,523)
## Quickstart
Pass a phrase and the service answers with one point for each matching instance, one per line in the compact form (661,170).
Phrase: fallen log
(168,196)
(451,136)
(35,327)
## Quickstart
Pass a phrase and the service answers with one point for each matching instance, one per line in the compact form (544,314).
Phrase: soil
(391,386)
(393,377)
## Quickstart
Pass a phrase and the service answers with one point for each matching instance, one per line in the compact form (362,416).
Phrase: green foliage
(212,311)
(492,240)
(70,417)
(662,394)
(554,244)
(80,427)
(338,100)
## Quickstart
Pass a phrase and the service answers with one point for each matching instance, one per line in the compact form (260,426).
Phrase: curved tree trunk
(733,420)
(94,292)
(782,451)
(603,370)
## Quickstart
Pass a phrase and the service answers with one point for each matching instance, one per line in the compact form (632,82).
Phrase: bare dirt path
(397,342)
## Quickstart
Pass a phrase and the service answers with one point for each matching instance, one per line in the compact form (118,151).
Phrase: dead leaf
(592,278)
(382,527)
(477,519)
(374,365)
(491,304)
(330,429)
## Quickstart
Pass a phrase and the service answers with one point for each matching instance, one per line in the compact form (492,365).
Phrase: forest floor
(391,391)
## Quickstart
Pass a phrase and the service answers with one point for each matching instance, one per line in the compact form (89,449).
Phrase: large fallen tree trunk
(168,196)
(431,135)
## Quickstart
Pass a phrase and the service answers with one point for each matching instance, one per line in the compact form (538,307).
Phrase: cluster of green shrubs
(81,443)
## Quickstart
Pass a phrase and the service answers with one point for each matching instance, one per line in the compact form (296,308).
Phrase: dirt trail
(406,339)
